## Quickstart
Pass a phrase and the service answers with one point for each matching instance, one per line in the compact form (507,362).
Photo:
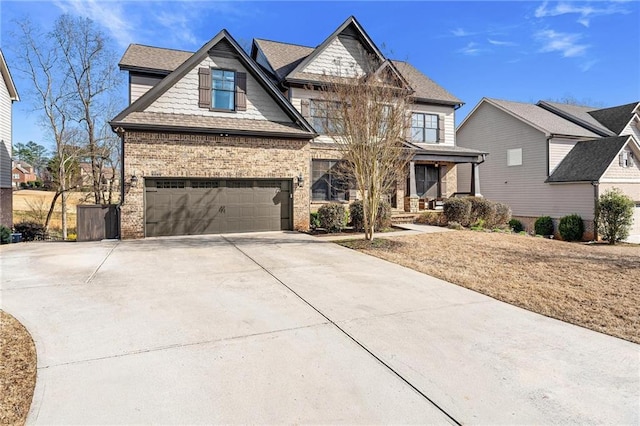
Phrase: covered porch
(432,176)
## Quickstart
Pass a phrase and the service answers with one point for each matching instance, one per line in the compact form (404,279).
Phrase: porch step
(404,217)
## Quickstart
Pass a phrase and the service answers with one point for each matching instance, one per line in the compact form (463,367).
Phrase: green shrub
(314,220)
(478,225)
(481,208)
(5,235)
(615,215)
(332,217)
(516,226)
(502,216)
(432,218)
(383,217)
(571,228)
(457,210)
(543,226)
(356,213)
(30,230)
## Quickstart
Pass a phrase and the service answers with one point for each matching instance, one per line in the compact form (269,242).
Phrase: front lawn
(594,286)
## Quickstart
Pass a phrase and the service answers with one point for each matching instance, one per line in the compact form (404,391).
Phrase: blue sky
(516,50)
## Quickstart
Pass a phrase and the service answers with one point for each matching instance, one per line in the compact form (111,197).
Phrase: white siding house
(8,95)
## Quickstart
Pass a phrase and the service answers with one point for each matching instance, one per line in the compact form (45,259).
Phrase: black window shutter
(241,91)
(440,128)
(204,87)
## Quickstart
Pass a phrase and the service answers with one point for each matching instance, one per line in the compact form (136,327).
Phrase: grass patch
(594,286)
(17,370)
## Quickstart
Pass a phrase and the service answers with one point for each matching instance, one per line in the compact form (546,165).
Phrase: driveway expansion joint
(101,263)
(448,416)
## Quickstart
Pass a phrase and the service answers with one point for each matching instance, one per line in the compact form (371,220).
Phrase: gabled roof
(8,81)
(539,118)
(579,115)
(356,30)
(283,57)
(588,160)
(159,60)
(616,118)
(126,117)
(425,89)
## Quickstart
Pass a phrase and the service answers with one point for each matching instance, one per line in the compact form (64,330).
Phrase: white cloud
(567,44)
(471,49)
(460,32)
(501,43)
(585,12)
(107,14)
(586,66)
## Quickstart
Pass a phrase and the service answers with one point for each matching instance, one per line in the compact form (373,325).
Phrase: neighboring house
(554,159)
(8,95)
(85,179)
(220,141)
(22,173)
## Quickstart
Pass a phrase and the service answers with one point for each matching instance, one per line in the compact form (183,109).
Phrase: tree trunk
(63,206)
(50,213)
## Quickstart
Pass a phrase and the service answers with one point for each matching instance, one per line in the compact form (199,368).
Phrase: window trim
(327,172)
(233,92)
(424,127)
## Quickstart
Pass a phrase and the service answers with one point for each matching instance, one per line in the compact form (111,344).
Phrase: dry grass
(17,370)
(594,286)
(31,205)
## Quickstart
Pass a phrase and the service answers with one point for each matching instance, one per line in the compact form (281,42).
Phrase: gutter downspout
(120,132)
(596,197)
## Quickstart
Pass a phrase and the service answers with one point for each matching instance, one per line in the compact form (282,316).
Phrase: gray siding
(521,187)
(343,56)
(558,149)
(5,136)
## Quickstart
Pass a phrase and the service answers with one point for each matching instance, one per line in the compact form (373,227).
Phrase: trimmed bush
(314,220)
(5,235)
(332,217)
(481,208)
(383,218)
(457,210)
(543,226)
(30,230)
(502,216)
(432,218)
(615,215)
(571,228)
(516,226)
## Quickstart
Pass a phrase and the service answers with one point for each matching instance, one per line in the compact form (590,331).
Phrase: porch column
(475,180)
(414,203)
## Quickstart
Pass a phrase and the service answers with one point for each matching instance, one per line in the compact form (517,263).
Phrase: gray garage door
(205,206)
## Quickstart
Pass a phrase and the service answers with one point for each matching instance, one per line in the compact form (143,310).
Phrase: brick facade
(183,155)
(529,226)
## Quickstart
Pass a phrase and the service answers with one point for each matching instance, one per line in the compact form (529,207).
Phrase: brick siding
(181,155)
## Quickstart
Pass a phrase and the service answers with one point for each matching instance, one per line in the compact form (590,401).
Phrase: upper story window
(323,116)
(424,128)
(223,91)
(626,159)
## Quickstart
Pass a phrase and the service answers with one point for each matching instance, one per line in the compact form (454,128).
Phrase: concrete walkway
(284,328)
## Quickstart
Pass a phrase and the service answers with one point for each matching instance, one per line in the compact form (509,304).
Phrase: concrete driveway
(282,328)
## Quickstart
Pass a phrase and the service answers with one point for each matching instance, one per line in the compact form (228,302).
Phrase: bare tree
(92,82)
(40,62)
(366,113)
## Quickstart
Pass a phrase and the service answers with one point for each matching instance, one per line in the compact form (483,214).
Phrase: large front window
(323,116)
(329,182)
(424,128)
(223,91)
(426,180)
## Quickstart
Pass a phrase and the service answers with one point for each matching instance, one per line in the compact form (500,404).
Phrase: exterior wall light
(300,180)
(134,181)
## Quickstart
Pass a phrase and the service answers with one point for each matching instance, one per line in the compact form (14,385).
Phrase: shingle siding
(344,55)
(182,98)
(521,187)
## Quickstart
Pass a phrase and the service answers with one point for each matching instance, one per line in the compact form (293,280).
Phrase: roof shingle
(153,58)
(615,118)
(588,160)
(283,57)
